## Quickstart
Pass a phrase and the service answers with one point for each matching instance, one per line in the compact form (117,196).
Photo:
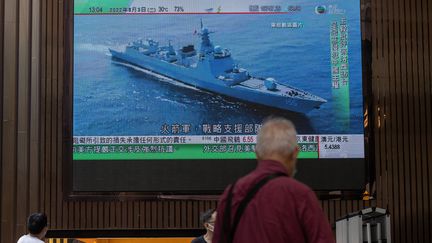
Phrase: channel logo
(320,9)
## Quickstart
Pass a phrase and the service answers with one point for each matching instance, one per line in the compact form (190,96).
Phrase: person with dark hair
(208,219)
(268,205)
(37,225)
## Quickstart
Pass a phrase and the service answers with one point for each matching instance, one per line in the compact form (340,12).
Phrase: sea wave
(91,47)
(170,101)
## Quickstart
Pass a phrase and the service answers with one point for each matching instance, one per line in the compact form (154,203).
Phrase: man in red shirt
(282,209)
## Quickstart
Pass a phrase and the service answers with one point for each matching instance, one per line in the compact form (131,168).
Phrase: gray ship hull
(204,76)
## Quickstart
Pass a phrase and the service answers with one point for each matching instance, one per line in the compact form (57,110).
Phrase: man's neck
(283,162)
(208,237)
(35,236)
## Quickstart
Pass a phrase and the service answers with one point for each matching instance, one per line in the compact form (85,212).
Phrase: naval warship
(212,68)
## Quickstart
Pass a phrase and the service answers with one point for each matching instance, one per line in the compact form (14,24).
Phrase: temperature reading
(163,9)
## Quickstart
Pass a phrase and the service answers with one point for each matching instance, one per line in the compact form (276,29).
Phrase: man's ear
(295,153)
(43,233)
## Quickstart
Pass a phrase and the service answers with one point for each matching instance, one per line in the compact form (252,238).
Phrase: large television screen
(179,89)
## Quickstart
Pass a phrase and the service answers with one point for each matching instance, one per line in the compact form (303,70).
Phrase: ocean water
(113,98)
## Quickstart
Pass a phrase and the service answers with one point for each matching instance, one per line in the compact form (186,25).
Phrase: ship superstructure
(212,68)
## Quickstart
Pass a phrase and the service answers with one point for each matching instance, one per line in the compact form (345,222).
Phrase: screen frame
(67,141)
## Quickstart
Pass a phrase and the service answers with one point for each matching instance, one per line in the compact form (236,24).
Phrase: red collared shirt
(283,210)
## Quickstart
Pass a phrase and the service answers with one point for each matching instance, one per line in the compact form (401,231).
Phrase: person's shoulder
(294,186)
(23,239)
(199,239)
(242,185)
(28,239)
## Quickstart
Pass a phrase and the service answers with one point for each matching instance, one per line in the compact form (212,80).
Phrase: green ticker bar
(340,65)
(178,151)
(99,6)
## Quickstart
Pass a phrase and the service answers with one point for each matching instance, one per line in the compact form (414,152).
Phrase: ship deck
(281,89)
